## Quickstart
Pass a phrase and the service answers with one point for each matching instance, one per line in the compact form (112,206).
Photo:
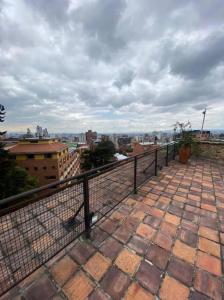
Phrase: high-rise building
(46,159)
(82,138)
(91,136)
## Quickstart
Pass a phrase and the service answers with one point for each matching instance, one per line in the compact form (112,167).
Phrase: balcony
(150,235)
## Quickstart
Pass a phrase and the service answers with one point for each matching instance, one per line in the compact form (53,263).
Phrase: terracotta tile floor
(166,242)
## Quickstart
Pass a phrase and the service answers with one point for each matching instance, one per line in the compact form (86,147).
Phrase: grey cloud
(126,76)
(196,61)
(53,11)
(100,21)
(110,60)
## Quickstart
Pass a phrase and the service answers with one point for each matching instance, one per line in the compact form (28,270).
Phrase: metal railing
(36,225)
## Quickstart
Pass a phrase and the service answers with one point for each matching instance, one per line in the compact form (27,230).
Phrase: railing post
(167,154)
(135,175)
(174,151)
(86,206)
(156,162)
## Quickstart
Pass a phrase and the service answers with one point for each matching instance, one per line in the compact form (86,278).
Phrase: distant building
(82,138)
(205,136)
(91,136)
(46,159)
(139,148)
(114,140)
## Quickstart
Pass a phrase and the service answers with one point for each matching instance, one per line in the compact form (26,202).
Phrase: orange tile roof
(37,148)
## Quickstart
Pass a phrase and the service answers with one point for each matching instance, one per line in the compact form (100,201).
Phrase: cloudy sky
(111,65)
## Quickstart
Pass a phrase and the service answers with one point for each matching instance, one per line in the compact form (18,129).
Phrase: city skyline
(112,66)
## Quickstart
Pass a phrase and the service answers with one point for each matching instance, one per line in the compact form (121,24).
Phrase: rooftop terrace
(166,242)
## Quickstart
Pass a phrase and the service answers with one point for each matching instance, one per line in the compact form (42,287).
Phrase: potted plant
(185,141)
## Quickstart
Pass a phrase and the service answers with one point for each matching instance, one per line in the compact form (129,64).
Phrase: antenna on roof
(203,121)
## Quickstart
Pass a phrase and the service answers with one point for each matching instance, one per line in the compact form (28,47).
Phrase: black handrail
(94,171)
(84,201)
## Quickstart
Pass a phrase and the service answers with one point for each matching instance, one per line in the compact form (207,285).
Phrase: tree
(13,179)
(101,155)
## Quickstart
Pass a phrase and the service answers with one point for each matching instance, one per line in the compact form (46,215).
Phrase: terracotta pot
(184,154)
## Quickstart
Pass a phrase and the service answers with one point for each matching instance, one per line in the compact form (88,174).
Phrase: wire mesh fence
(34,227)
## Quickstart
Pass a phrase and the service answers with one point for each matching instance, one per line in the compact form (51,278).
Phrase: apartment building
(47,159)
(91,136)
(139,148)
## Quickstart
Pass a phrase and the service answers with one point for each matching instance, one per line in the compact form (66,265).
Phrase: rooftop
(166,242)
(37,148)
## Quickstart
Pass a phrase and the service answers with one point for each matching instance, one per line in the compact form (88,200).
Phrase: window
(50,177)
(47,155)
(35,168)
(30,156)
(12,156)
(27,169)
(53,167)
(44,168)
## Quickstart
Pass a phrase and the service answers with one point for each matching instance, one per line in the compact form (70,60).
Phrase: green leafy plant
(185,138)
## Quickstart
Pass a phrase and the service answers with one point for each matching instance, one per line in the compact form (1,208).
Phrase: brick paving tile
(63,269)
(208,285)
(189,226)
(168,229)
(209,246)
(81,252)
(209,263)
(98,294)
(209,207)
(208,233)
(131,202)
(188,237)
(41,289)
(208,222)
(128,262)
(164,241)
(123,234)
(149,201)
(198,296)
(173,289)
(131,222)
(31,278)
(117,216)
(158,213)
(111,248)
(158,256)
(222,238)
(172,219)
(184,251)
(42,243)
(58,297)
(97,265)
(153,221)
(109,226)
(175,210)
(149,276)
(136,292)
(78,287)
(98,236)
(146,231)
(181,271)
(138,214)
(169,237)
(115,283)
(138,244)
(191,217)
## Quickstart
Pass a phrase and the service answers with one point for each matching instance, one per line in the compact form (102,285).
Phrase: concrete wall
(212,150)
